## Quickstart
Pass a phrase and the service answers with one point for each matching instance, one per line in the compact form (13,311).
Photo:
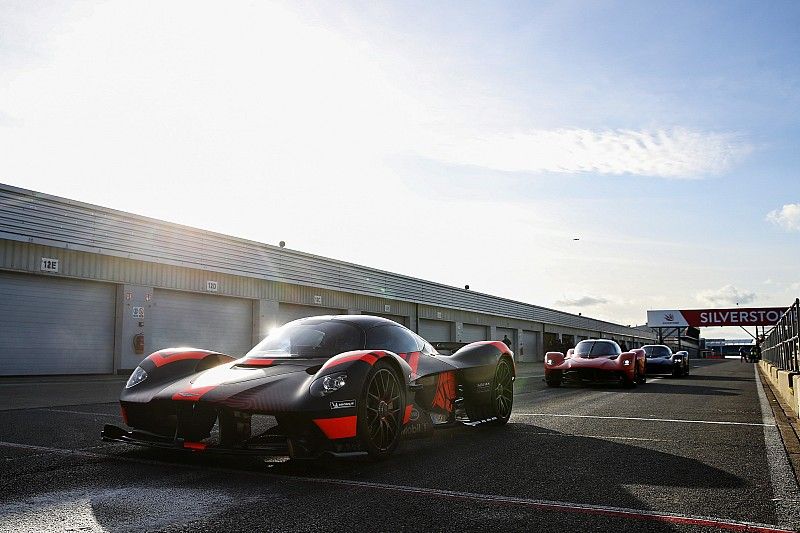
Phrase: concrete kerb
(783,383)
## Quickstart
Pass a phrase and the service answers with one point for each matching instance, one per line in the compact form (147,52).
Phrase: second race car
(595,360)
(342,385)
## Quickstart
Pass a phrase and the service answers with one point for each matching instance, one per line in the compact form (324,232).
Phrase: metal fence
(781,347)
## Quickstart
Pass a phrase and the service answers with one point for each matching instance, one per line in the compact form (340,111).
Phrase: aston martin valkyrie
(340,385)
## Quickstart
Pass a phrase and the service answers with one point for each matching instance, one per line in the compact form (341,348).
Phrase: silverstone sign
(738,316)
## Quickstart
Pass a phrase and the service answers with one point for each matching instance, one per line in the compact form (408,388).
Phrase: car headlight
(137,377)
(550,362)
(626,362)
(328,384)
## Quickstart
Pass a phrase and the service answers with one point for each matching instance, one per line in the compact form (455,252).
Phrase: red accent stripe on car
(369,358)
(194,445)
(413,361)
(256,362)
(338,428)
(407,414)
(165,357)
(500,345)
(445,391)
(124,414)
(192,395)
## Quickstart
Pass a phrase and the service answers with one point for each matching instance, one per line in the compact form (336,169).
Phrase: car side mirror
(570,352)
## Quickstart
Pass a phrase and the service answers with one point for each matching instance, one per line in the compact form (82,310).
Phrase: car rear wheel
(498,410)
(380,417)
(640,377)
(502,392)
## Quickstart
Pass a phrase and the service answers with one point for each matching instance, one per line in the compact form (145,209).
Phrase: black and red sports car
(595,360)
(343,385)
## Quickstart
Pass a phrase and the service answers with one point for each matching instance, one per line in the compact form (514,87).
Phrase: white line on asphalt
(784,485)
(530,503)
(676,420)
(76,412)
(569,435)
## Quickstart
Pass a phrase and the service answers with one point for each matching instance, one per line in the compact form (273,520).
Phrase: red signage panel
(738,316)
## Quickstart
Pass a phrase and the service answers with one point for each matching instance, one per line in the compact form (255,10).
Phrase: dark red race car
(342,385)
(596,360)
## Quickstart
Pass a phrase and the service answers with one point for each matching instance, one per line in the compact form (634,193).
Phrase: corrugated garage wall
(201,321)
(289,312)
(55,325)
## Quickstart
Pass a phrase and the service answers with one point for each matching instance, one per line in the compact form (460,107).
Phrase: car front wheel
(380,415)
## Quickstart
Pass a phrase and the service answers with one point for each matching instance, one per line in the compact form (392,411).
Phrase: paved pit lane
(693,454)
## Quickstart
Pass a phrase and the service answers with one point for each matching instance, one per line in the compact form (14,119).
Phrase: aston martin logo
(343,404)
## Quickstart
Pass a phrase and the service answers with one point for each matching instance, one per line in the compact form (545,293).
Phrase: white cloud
(668,153)
(583,301)
(787,217)
(727,295)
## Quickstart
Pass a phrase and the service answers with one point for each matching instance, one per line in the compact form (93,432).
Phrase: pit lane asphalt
(655,449)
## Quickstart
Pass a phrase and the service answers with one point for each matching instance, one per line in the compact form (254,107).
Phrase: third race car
(661,360)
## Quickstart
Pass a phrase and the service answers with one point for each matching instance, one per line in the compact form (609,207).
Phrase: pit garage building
(90,290)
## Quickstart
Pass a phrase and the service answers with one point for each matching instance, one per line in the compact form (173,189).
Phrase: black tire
(497,410)
(553,382)
(640,377)
(380,414)
(677,372)
(502,392)
(629,383)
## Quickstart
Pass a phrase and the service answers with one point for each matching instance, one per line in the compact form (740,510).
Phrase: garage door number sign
(49,265)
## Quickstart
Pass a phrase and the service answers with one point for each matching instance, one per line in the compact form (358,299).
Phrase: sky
(460,142)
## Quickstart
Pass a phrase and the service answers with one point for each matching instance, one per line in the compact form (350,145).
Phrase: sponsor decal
(343,404)
(482,387)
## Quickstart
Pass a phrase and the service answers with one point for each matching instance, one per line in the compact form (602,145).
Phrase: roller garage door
(530,347)
(505,332)
(55,325)
(434,330)
(289,312)
(474,332)
(198,320)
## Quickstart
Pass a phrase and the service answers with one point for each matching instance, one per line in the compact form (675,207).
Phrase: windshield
(309,339)
(657,351)
(592,348)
